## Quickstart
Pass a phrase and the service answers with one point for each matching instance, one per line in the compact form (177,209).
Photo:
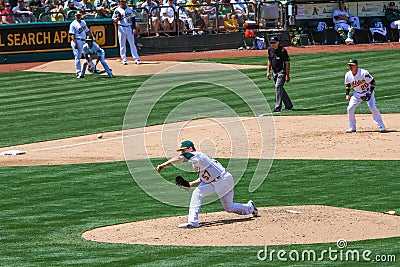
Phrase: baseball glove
(182,183)
(367,97)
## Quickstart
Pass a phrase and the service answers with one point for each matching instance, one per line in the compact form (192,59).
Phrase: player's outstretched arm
(195,182)
(172,161)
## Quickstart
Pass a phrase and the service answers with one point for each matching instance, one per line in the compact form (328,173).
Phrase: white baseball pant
(124,34)
(102,61)
(78,54)
(224,189)
(356,100)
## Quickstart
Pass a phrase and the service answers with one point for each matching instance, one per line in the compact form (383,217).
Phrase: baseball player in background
(78,31)
(363,84)
(91,50)
(124,16)
(212,177)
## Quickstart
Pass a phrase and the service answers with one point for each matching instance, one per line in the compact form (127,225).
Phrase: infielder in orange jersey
(212,178)
(363,84)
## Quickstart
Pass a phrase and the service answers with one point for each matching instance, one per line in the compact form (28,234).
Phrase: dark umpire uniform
(278,59)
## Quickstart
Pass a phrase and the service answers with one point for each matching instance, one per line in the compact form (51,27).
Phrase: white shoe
(255,210)
(80,76)
(382,129)
(350,130)
(125,62)
(137,62)
(188,225)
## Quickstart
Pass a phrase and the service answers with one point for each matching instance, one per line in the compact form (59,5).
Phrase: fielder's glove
(182,183)
(367,97)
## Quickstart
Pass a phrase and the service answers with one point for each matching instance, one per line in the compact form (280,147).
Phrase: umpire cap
(274,39)
(186,144)
(352,61)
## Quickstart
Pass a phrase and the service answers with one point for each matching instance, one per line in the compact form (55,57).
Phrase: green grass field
(45,209)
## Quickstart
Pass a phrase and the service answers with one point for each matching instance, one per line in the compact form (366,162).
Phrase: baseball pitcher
(212,177)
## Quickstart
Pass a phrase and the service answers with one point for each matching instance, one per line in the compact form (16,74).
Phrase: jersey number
(206,175)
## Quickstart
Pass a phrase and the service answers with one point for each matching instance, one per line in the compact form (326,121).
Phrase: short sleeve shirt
(207,169)
(278,58)
(360,82)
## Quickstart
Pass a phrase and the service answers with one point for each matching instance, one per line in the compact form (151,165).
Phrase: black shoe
(276,110)
(292,108)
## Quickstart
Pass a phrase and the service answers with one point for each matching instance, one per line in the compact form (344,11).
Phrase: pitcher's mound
(274,226)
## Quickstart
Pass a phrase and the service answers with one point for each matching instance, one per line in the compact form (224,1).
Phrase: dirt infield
(230,54)
(297,137)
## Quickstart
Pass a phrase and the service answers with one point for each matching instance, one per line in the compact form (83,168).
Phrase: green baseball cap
(186,144)
(352,61)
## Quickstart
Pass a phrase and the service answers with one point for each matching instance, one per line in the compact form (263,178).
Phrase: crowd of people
(163,16)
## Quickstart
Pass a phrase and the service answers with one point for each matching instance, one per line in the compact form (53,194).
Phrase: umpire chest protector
(278,58)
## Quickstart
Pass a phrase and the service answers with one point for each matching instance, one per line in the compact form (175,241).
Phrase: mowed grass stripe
(46,209)
(68,91)
(316,90)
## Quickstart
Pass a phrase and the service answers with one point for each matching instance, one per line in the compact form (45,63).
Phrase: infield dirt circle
(297,137)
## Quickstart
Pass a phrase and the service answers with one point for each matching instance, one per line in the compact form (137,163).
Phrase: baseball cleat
(276,110)
(80,76)
(382,129)
(137,62)
(188,225)
(255,210)
(125,62)
(350,130)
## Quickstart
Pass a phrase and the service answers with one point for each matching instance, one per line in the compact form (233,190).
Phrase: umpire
(278,59)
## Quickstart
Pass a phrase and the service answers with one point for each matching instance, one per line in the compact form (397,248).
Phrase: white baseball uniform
(361,85)
(353,20)
(79,30)
(95,53)
(214,178)
(125,32)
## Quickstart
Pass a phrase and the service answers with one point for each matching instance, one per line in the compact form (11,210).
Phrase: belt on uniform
(216,179)
(81,39)
(124,25)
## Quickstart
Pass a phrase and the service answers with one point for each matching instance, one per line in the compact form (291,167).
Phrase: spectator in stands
(56,8)
(226,10)
(32,4)
(342,19)
(49,5)
(168,16)
(105,8)
(392,14)
(2,5)
(70,6)
(87,8)
(193,5)
(240,11)
(185,20)
(7,14)
(209,12)
(151,11)
(194,10)
(21,13)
